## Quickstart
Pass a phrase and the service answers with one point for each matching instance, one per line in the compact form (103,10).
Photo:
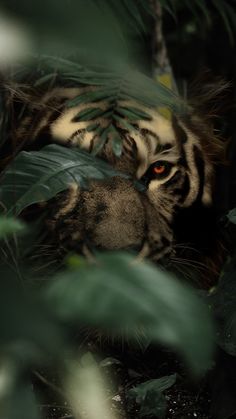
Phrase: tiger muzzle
(111,215)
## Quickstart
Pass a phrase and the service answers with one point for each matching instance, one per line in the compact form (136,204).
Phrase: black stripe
(199,162)
(44,136)
(146,131)
(91,145)
(174,179)
(179,132)
(182,139)
(184,191)
(163,217)
(165,147)
(77,132)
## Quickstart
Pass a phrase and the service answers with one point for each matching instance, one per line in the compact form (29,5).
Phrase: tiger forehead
(155,138)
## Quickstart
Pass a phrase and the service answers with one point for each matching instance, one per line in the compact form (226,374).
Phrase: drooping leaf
(102,140)
(88,114)
(149,395)
(39,175)
(124,123)
(126,297)
(92,96)
(132,114)
(113,82)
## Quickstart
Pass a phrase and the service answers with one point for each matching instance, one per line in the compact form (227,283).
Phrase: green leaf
(10,226)
(102,141)
(124,123)
(129,297)
(92,96)
(88,114)
(133,114)
(150,398)
(93,127)
(44,79)
(20,339)
(116,82)
(17,398)
(38,176)
(117,145)
(232,216)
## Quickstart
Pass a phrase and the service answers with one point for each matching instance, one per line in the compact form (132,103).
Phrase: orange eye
(159,169)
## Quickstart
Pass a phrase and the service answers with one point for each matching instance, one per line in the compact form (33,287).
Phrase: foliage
(142,295)
(201,9)
(150,396)
(38,317)
(9,226)
(136,296)
(38,176)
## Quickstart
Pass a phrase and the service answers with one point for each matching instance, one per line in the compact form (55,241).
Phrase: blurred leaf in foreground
(10,226)
(120,296)
(29,337)
(28,330)
(86,389)
(17,399)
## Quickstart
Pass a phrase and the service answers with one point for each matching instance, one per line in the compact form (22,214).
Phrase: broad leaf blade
(127,297)
(39,175)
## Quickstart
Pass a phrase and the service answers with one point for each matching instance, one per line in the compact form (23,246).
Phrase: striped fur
(113,214)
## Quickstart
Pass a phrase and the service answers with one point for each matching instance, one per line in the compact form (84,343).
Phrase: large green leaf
(39,175)
(122,296)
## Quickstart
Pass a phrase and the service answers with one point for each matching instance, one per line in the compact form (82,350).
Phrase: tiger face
(170,160)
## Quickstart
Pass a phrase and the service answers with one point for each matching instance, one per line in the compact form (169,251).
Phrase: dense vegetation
(171,349)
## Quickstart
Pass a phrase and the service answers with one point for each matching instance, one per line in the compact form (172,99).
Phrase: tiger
(171,220)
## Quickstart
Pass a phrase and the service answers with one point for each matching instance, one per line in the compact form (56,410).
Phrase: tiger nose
(114,215)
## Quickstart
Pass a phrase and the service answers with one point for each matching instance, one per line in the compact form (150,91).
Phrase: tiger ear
(209,96)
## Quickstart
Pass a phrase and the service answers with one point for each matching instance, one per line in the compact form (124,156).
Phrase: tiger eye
(159,169)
